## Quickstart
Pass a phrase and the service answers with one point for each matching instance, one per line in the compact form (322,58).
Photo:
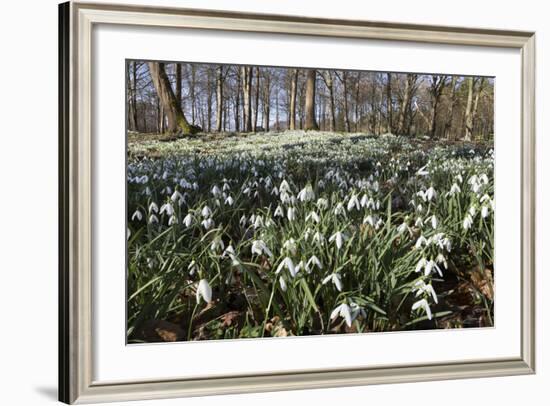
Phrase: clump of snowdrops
(299,233)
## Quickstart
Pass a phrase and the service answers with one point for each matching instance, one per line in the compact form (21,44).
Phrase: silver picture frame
(76,21)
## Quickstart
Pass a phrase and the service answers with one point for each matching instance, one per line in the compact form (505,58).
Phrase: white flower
(421,241)
(279,212)
(313,261)
(216,191)
(338,238)
(229,200)
(468,221)
(423,303)
(430,193)
(167,208)
(314,216)
(207,223)
(177,197)
(306,194)
(322,203)
(153,208)
(420,265)
(284,187)
(259,248)
(188,220)
(290,246)
(421,287)
(288,264)
(455,189)
(173,220)
(336,280)
(258,222)
(282,283)
(206,212)
(339,209)
(137,215)
(291,213)
(217,244)
(205,291)
(192,267)
(353,202)
(422,171)
(153,219)
(318,238)
(484,211)
(343,311)
(434,221)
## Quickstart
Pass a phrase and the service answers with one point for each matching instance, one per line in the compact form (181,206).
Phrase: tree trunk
(438,84)
(468,118)
(329,82)
(357,101)
(452,104)
(246,72)
(310,122)
(346,110)
(266,101)
(402,126)
(176,119)
(178,83)
(476,102)
(293,91)
(389,104)
(219,97)
(256,100)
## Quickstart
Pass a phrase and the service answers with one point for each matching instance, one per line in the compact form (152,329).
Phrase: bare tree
(246,73)
(389,103)
(293,91)
(329,82)
(219,97)
(436,89)
(310,121)
(410,82)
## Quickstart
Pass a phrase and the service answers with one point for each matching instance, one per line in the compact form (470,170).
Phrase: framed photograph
(256,202)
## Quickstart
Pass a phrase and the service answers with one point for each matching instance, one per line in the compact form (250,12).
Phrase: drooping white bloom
(420,265)
(322,203)
(204,290)
(192,267)
(229,200)
(306,194)
(258,222)
(339,209)
(313,216)
(455,189)
(217,244)
(282,283)
(313,261)
(177,197)
(335,279)
(172,220)
(279,212)
(288,264)
(206,212)
(484,211)
(338,238)
(422,171)
(421,241)
(153,219)
(343,311)
(207,223)
(421,287)
(137,215)
(291,213)
(167,208)
(318,238)
(434,221)
(188,220)
(153,208)
(216,192)
(468,221)
(430,193)
(259,248)
(353,202)
(284,187)
(290,246)
(423,303)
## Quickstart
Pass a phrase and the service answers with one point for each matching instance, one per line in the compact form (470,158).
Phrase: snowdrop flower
(369,220)
(353,202)
(259,248)
(205,291)
(423,303)
(339,209)
(419,222)
(284,187)
(153,219)
(258,222)
(468,221)
(177,197)
(167,208)
(484,211)
(343,311)
(192,267)
(440,259)
(288,264)
(216,192)
(290,246)
(206,212)
(306,194)
(472,211)
(188,220)
(279,212)
(137,215)
(207,223)
(242,220)
(291,213)
(422,171)
(319,238)
(430,193)
(313,216)
(322,203)
(421,241)
(434,221)
(229,200)
(455,189)
(421,265)
(128,233)
(313,261)
(335,279)
(217,244)
(338,238)
(282,283)
(153,208)
(173,220)
(421,287)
